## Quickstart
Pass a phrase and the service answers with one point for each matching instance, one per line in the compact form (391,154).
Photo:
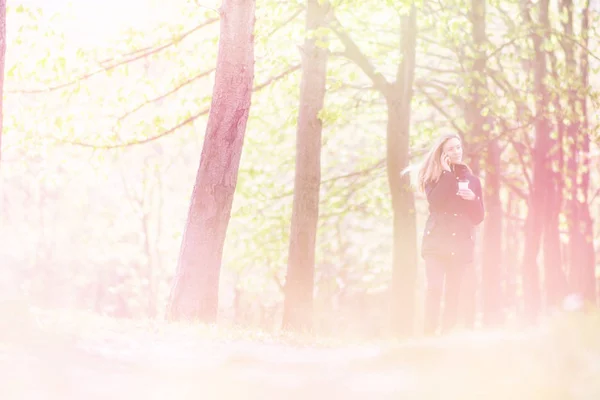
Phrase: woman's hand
(466,194)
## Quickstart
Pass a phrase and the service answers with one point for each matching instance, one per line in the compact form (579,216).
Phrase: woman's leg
(435,271)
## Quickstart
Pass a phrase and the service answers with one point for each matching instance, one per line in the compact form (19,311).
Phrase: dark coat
(449,231)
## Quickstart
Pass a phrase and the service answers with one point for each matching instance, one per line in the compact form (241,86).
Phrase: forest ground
(53,355)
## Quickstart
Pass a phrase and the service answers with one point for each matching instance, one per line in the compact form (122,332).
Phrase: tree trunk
(555,279)
(2,63)
(541,179)
(491,267)
(298,302)
(492,260)
(194,294)
(579,221)
(398,97)
(511,251)
(476,83)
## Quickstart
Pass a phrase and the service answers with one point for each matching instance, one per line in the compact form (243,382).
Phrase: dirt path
(138,364)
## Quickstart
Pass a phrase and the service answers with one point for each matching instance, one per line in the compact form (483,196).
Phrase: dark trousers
(444,278)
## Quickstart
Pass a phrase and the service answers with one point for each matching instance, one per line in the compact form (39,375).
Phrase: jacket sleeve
(439,192)
(476,210)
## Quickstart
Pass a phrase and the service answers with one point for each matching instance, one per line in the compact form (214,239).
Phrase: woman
(455,208)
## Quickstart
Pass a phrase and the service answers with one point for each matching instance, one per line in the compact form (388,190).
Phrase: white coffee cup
(463,185)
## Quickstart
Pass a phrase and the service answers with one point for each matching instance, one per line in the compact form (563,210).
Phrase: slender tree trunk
(587,275)
(511,251)
(541,178)
(555,278)
(477,85)
(2,63)
(491,267)
(493,261)
(398,97)
(7,311)
(194,294)
(298,302)
(579,221)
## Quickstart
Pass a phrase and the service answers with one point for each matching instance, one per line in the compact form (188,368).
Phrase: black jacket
(449,231)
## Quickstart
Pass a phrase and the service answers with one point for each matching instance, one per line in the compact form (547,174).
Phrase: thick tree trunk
(298,303)
(541,177)
(404,267)
(194,294)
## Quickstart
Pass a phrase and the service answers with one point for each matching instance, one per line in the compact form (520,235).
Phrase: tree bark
(404,265)
(513,234)
(555,278)
(2,64)
(541,178)
(299,284)
(580,225)
(194,294)
(398,96)
(587,276)
(492,260)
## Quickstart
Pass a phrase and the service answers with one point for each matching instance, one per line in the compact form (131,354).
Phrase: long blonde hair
(430,169)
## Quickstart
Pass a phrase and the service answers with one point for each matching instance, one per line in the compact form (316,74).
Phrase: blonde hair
(430,169)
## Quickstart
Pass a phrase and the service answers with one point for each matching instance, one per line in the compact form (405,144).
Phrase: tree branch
(578,43)
(165,95)
(514,188)
(141,141)
(439,86)
(207,7)
(275,78)
(287,21)
(379,164)
(439,108)
(152,50)
(352,52)
(519,149)
(178,126)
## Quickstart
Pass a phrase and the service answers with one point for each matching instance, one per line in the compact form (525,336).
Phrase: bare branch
(275,78)
(439,70)
(178,126)
(119,63)
(379,164)
(502,46)
(438,107)
(163,96)
(287,21)
(140,141)
(207,7)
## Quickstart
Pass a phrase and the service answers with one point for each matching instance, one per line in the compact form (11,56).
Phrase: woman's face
(453,148)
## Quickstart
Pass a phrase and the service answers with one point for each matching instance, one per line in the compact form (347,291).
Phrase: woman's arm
(439,192)
(476,208)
